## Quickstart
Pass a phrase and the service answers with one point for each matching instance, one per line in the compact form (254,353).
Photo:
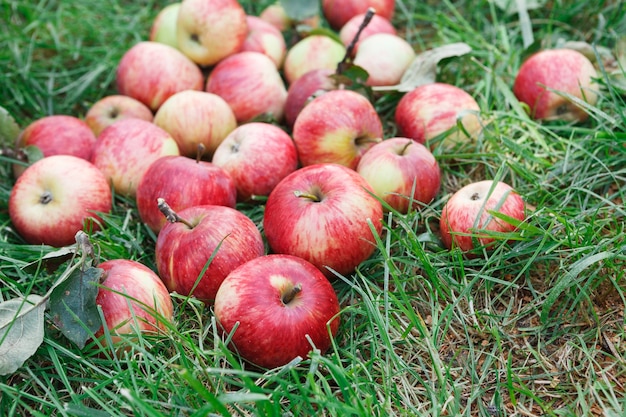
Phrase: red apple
(257,156)
(133,299)
(163,28)
(276,308)
(276,15)
(110,109)
(183,182)
(402,172)
(195,118)
(251,84)
(430,110)
(563,71)
(265,38)
(377,24)
(125,150)
(324,214)
(218,236)
(210,30)
(385,57)
(151,72)
(303,90)
(339,126)
(466,220)
(54,198)
(312,52)
(339,12)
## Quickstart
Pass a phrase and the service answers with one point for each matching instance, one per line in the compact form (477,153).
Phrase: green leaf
(73,305)
(300,9)
(9,130)
(21,331)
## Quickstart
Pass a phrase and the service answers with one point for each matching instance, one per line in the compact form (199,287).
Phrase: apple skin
(385,57)
(125,150)
(302,90)
(333,232)
(265,38)
(312,52)
(377,24)
(269,331)
(339,12)
(132,297)
(257,156)
(182,252)
(183,182)
(196,118)
(54,197)
(338,126)
(251,84)
(563,70)
(465,214)
(276,15)
(432,109)
(151,72)
(163,28)
(210,30)
(110,109)
(400,170)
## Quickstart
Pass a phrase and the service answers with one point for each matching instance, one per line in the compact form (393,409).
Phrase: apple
(56,197)
(385,57)
(163,28)
(312,52)
(377,24)
(339,12)
(338,126)
(210,30)
(183,182)
(257,156)
(325,214)
(265,38)
(402,172)
(546,75)
(276,308)
(110,109)
(276,15)
(195,118)
(133,300)
(251,84)
(304,89)
(221,237)
(151,72)
(125,150)
(466,221)
(430,110)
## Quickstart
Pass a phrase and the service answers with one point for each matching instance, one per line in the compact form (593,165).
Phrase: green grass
(535,327)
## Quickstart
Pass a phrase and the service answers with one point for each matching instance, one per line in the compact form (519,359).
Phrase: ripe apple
(163,28)
(196,118)
(276,308)
(56,197)
(210,30)
(402,172)
(183,182)
(385,57)
(251,84)
(430,110)
(312,52)
(133,299)
(110,109)
(126,149)
(219,236)
(466,221)
(324,214)
(257,156)
(339,12)
(265,38)
(276,15)
(564,71)
(339,126)
(377,24)
(151,72)
(303,90)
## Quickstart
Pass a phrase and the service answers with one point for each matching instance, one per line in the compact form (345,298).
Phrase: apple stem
(343,65)
(200,152)
(289,296)
(170,214)
(310,196)
(475,197)
(405,147)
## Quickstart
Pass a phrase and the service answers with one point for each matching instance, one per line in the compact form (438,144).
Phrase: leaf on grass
(300,9)
(52,260)
(73,305)
(423,69)
(9,130)
(21,331)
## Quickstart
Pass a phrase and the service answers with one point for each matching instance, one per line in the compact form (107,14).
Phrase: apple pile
(216,110)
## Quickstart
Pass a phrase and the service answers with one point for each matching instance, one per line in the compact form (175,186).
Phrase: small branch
(342,66)
(170,214)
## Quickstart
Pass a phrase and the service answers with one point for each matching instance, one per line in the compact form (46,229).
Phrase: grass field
(534,327)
